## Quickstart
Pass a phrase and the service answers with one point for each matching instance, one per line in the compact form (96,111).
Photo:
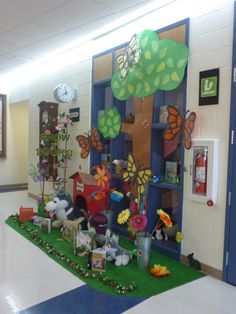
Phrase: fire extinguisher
(201,172)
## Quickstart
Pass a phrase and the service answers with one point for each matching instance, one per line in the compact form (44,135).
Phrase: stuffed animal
(61,206)
(114,251)
(194,262)
(157,234)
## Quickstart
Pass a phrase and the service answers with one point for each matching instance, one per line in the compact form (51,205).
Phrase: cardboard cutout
(109,124)
(160,65)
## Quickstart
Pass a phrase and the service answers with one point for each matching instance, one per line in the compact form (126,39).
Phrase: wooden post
(141,129)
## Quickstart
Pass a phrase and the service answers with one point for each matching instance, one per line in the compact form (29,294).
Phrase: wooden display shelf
(165,185)
(166,247)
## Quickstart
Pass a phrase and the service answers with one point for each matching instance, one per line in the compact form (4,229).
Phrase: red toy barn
(84,185)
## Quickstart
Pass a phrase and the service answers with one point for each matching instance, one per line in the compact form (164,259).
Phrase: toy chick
(159,271)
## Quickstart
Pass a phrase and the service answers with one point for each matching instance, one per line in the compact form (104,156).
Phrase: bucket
(144,242)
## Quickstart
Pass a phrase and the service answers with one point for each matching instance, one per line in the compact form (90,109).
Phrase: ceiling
(30,29)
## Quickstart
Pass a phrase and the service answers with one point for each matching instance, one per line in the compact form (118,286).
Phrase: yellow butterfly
(136,174)
(129,57)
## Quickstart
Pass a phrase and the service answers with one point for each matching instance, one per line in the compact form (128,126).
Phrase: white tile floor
(28,277)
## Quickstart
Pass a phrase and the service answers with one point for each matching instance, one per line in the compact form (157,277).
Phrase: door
(230,226)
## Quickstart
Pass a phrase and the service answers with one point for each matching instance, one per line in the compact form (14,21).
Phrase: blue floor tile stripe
(84,300)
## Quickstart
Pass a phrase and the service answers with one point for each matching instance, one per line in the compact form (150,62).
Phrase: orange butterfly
(88,142)
(177,125)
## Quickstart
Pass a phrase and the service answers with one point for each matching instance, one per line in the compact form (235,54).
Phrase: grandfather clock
(48,112)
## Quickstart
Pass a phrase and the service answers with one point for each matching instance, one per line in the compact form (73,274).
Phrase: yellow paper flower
(165,218)
(123,216)
(179,236)
(101,176)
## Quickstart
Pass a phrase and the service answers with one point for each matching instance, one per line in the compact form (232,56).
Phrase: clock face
(64,93)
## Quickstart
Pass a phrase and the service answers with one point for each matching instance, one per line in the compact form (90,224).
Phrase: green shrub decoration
(161,67)
(109,124)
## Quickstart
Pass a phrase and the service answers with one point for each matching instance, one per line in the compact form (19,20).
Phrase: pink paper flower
(139,222)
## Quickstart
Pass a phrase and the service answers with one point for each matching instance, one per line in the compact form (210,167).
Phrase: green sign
(209,87)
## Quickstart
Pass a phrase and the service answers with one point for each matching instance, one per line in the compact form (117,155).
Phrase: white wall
(14,168)
(211,37)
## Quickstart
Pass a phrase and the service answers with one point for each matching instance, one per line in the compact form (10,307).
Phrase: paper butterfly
(87,142)
(129,57)
(136,174)
(179,126)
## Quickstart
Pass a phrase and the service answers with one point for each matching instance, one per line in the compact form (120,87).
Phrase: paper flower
(139,222)
(36,173)
(179,236)
(123,216)
(164,217)
(101,176)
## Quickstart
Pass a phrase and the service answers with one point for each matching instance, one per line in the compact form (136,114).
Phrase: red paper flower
(139,222)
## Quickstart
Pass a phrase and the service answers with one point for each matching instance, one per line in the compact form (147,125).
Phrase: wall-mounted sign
(209,87)
(74,114)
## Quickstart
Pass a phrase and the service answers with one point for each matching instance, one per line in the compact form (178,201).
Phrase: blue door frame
(229,268)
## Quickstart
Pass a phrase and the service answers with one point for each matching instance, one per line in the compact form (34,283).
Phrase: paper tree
(160,65)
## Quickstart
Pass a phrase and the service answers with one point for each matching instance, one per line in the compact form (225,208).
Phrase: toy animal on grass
(159,271)
(194,262)
(114,251)
(61,206)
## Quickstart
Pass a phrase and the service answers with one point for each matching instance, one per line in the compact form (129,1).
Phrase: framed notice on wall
(209,87)
(2,126)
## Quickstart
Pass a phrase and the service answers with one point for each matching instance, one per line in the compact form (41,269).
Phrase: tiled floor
(32,283)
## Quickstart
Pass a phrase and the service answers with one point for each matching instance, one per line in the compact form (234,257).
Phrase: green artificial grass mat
(145,284)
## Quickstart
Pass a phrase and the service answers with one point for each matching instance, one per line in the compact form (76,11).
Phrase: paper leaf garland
(161,66)
(109,124)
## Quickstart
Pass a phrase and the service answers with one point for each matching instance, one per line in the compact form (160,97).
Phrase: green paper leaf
(165,79)
(116,85)
(170,63)
(122,92)
(148,55)
(116,127)
(111,133)
(139,75)
(102,120)
(104,129)
(161,67)
(144,42)
(155,46)
(174,76)
(157,81)
(138,88)
(110,113)
(147,87)
(116,119)
(150,68)
(130,88)
(181,63)
(163,52)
